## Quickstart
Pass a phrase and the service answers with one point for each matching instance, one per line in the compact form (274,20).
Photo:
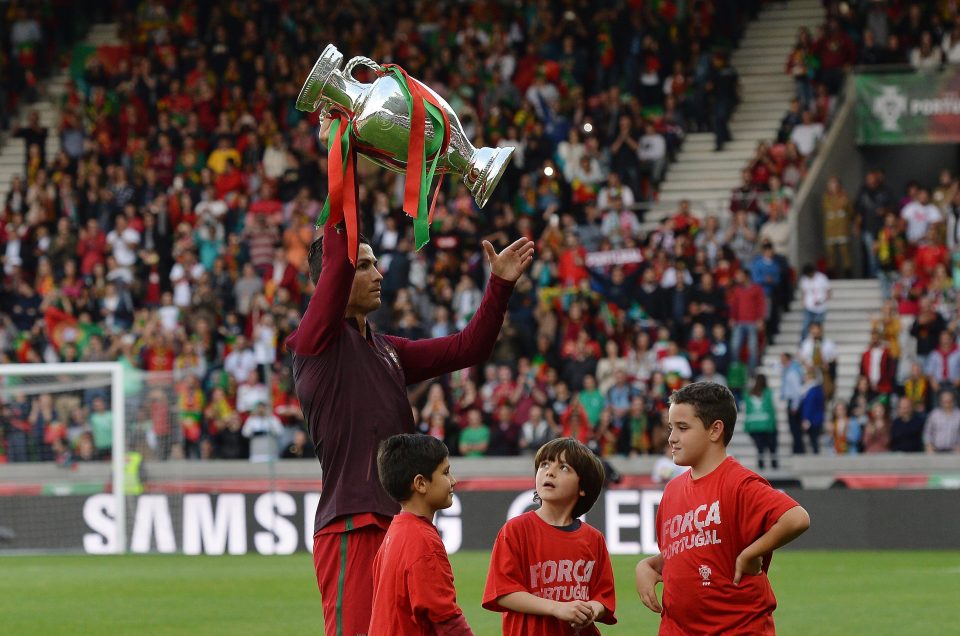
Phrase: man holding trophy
(351,381)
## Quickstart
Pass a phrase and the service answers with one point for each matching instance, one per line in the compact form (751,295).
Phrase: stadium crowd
(905,394)
(171,232)
(37,40)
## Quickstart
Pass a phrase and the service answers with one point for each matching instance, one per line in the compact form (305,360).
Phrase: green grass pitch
(841,593)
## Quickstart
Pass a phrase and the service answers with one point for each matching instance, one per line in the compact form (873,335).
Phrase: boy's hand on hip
(747,565)
(647,579)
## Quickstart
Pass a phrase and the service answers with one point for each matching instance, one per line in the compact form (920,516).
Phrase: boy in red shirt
(717,527)
(413,591)
(550,573)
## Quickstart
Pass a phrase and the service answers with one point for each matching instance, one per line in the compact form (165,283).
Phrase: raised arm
(422,359)
(323,318)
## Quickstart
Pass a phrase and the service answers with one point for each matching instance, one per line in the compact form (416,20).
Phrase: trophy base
(487,166)
(328,63)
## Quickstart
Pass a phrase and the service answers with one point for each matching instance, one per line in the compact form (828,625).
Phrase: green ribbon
(421,224)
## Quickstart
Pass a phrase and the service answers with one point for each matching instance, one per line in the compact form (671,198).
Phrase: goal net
(103,458)
(60,428)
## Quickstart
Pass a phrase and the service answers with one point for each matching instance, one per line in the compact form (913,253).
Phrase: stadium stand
(170,230)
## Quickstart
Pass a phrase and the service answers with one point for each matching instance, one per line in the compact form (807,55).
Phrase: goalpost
(26,383)
(100,458)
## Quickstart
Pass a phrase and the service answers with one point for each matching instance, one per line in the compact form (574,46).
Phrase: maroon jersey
(353,389)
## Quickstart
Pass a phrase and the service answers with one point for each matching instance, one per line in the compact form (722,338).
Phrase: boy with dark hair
(550,573)
(413,590)
(717,527)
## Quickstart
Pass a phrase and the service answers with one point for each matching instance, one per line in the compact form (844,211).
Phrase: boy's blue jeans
(748,330)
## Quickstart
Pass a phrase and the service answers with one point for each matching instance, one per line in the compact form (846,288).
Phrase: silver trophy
(381,122)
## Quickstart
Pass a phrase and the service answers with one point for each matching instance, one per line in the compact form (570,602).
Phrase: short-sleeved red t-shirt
(412,580)
(702,526)
(532,556)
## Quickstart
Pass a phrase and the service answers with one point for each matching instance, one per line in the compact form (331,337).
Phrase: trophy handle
(360,61)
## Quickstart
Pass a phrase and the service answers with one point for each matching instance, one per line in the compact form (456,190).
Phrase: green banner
(908,108)
(62,489)
(945,481)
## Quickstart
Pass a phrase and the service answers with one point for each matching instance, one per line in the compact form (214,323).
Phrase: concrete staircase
(706,177)
(851,305)
(48,106)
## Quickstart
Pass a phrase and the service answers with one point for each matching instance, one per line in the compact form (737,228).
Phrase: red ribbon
(415,163)
(342,185)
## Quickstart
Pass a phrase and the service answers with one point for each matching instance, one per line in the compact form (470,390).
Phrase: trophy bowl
(380,115)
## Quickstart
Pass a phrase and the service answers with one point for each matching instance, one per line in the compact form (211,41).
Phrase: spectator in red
(683,221)
(698,347)
(230,182)
(157,355)
(877,365)
(837,53)
(572,267)
(573,422)
(907,290)
(91,247)
(267,204)
(505,387)
(747,309)
(930,253)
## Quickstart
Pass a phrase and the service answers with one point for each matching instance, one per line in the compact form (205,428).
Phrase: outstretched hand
(513,261)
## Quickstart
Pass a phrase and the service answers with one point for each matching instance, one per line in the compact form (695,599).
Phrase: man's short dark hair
(710,402)
(583,461)
(401,458)
(809,269)
(315,256)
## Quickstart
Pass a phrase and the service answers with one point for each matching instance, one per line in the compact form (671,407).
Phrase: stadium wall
(910,162)
(281,522)
(837,156)
(810,471)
